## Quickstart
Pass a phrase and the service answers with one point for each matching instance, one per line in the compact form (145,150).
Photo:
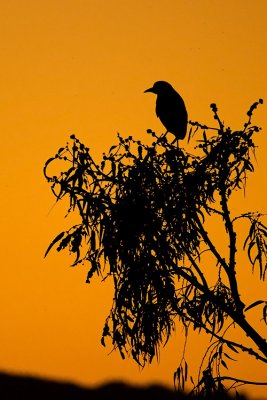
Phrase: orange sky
(81,67)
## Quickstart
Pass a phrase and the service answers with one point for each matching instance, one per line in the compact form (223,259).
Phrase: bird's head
(160,87)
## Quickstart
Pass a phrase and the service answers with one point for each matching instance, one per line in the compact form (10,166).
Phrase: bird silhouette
(170,109)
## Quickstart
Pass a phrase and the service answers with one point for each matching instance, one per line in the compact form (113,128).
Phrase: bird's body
(170,108)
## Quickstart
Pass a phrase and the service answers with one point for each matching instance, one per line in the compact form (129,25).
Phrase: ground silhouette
(32,388)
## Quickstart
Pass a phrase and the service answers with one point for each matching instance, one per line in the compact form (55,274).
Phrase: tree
(144,215)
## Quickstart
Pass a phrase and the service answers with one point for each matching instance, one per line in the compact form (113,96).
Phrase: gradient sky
(81,67)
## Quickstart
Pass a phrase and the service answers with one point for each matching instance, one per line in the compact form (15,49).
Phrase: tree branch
(237,380)
(231,271)
(210,244)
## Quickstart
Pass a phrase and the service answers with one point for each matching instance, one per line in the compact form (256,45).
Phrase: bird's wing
(172,113)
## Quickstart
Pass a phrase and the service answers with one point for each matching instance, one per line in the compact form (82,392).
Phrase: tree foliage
(144,214)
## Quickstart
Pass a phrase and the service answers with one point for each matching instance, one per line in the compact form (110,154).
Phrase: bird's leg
(177,142)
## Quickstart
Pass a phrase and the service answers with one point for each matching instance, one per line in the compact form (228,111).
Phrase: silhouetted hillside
(24,387)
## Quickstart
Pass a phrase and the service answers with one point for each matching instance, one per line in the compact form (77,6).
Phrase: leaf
(140,152)
(186,371)
(264,312)
(230,358)
(112,148)
(93,242)
(57,238)
(231,346)
(189,134)
(256,303)
(46,165)
(224,364)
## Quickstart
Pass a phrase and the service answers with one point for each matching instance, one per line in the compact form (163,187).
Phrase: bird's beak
(149,90)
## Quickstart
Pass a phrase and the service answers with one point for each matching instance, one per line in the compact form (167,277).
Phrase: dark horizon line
(31,387)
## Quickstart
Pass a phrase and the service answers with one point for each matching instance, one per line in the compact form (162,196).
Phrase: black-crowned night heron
(170,108)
